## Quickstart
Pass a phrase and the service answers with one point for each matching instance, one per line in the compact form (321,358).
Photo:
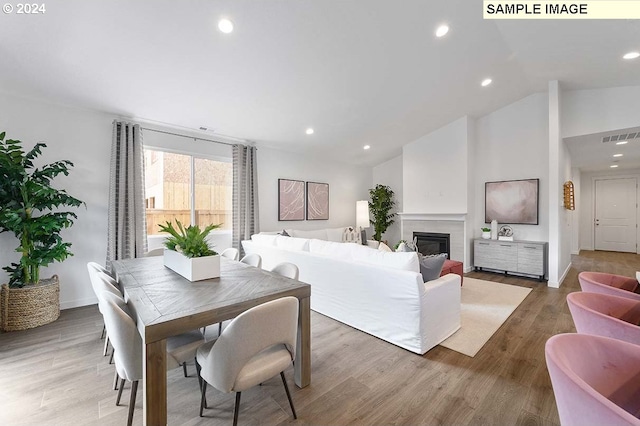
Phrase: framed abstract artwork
(290,199)
(317,201)
(512,201)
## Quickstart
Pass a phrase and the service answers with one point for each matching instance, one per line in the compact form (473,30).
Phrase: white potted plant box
(195,268)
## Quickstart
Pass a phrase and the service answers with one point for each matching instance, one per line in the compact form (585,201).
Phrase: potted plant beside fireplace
(30,210)
(380,206)
(188,252)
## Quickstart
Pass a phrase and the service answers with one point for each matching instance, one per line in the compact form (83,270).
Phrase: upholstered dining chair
(594,379)
(256,346)
(606,315)
(231,253)
(616,285)
(286,269)
(252,259)
(97,285)
(127,345)
(155,252)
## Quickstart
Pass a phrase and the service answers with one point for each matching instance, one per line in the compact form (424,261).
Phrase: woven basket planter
(30,306)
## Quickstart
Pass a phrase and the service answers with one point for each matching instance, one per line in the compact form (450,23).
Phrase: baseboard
(78,303)
(564,274)
(559,283)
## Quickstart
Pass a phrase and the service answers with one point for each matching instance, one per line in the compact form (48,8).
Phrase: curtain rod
(185,136)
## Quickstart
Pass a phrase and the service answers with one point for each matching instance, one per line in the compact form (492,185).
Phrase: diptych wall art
(290,199)
(317,201)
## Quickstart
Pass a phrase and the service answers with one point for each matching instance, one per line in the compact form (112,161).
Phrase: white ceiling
(358,72)
(590,154)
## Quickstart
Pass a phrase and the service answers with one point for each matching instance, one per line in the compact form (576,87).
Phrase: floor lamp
(362,219)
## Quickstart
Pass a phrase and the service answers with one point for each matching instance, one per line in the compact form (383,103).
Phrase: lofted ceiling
(360,72)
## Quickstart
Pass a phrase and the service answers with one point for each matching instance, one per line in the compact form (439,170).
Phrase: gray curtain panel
(127,232)
(245,195)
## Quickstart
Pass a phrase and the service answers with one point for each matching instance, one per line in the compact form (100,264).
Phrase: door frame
(593,204)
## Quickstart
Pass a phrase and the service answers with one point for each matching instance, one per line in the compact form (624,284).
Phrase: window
(193,190)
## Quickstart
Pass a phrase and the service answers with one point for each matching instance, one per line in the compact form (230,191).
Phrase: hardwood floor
(56,374)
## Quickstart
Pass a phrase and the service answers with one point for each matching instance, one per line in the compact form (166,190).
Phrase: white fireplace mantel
(459,217)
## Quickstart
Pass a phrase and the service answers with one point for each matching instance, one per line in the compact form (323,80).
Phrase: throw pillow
(284,233)
(384,247)
(403,247)
(350,235)
(431,266)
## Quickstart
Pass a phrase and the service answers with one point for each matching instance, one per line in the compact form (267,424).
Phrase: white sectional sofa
(380,293)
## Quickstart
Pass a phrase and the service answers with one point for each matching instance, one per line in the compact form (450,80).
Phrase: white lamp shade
(362,214)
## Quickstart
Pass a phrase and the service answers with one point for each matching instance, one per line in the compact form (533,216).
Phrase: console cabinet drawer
(531,258)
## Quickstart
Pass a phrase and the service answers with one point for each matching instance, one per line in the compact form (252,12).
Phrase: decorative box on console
(195,268)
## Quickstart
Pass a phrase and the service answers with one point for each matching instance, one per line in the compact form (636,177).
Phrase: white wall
(576,177)
(593,111)
(84,137)
(512,143)
(390,173)
(566,216)
(587,206)
(435,171)
(347,184)
(472,196)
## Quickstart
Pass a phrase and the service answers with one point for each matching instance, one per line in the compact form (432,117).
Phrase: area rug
(486,305)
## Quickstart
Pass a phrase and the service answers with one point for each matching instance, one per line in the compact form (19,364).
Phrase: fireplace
(432,243)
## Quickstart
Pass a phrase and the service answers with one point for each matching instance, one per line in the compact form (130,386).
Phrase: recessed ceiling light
(366,147)
(225,25)
(486,82)
(442,30)
(622,142)
(309,131)
(617,155)
(631,55)
(613,166)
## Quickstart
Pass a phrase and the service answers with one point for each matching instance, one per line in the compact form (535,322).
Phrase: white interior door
(615,218)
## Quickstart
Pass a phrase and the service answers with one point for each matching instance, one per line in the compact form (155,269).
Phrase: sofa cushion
(334,234)
(431,266)
(331,249)
(292,243)
(402,261)
(320,234)
(264,239)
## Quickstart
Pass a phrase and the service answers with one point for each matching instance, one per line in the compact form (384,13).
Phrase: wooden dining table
(166,304)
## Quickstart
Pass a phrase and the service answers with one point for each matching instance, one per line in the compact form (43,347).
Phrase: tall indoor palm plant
(29,209)
(380,207)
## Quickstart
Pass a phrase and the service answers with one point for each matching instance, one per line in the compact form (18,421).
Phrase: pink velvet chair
(596,380)
(615,285)
(606,315)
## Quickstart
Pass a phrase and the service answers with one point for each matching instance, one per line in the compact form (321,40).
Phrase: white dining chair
(94,271)
(286,269)
(127,345)
(231,253)
(255,346)
(252,259)
(155,252)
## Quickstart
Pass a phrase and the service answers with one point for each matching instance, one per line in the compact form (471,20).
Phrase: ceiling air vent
(621,137)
